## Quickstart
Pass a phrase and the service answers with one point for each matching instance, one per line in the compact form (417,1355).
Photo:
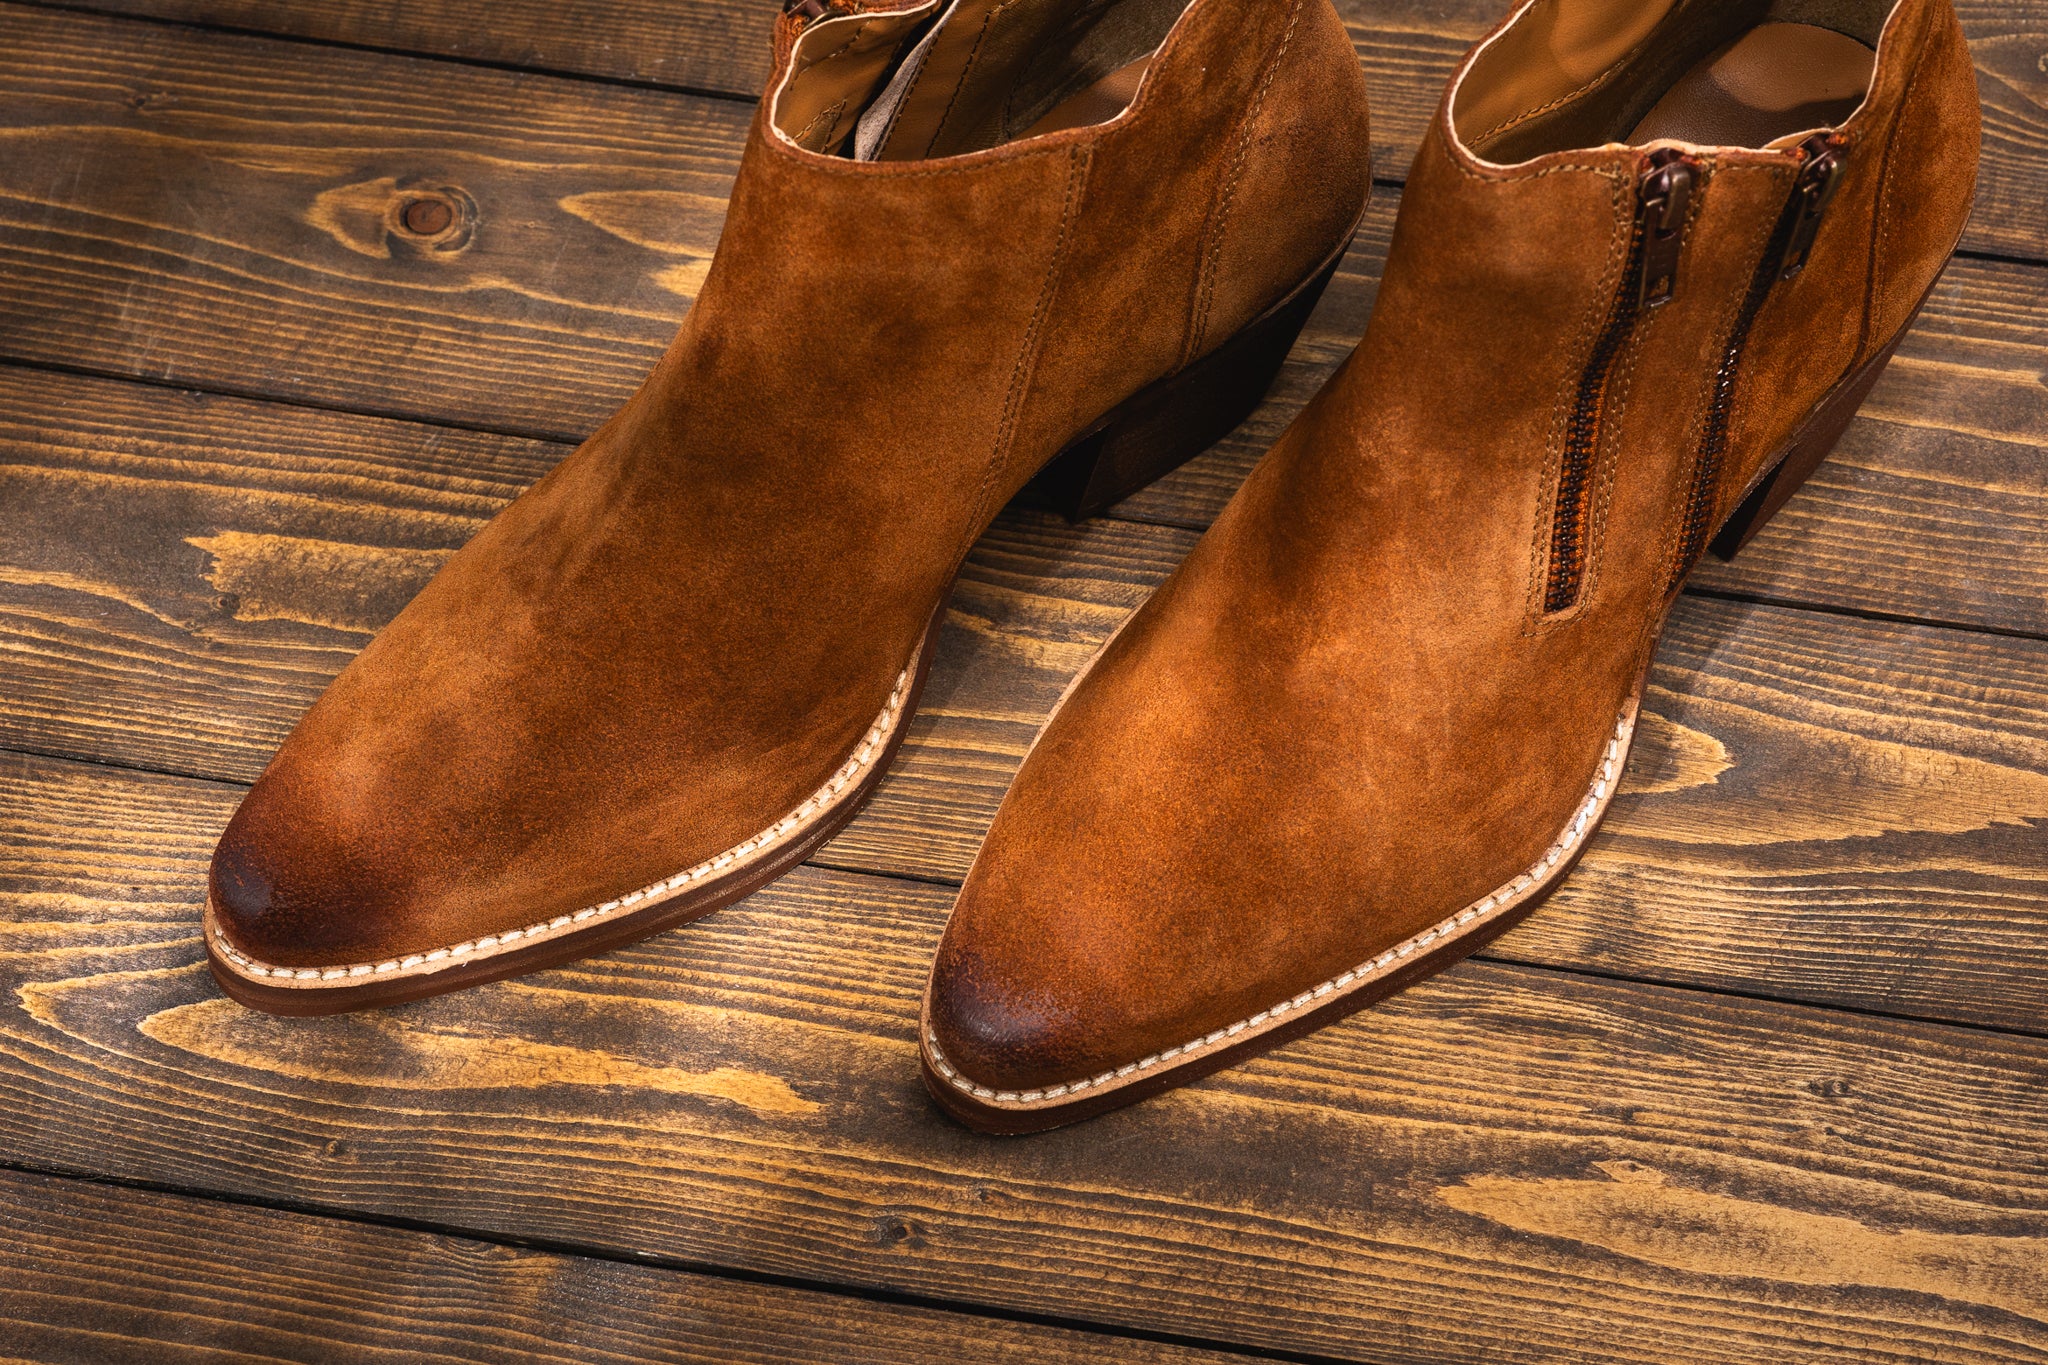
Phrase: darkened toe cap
(287,887)
(1007,1027)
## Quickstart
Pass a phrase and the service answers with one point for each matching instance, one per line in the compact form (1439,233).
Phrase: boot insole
(1775,80)
(1097,103)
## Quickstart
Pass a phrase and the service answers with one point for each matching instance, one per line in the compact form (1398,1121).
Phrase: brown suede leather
(676,638)
(1348,730)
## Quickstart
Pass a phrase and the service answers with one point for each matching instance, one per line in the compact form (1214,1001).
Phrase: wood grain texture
(226,212)
(1408,48)
(1844,812)
(1503,1164)
(90,1274)
(219,212)
(188,572)
(1510,1163)
(718,47)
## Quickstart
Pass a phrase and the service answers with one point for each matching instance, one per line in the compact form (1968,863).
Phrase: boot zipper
(805,11)
(1648,279)
(1824,157)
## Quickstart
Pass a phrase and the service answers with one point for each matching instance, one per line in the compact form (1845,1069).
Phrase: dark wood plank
(220,211)
(278,539)
(91,1273)
(213,211)
(1408,47)
(714,46)
(1913,517)
(1979,512)
(240,250)
(187,572)
(1843,812)
(1504,1164)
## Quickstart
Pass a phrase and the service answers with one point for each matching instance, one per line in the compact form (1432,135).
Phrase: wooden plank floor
(1767,1082)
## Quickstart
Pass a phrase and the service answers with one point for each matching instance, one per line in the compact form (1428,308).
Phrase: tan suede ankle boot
(962,242)
(1650,258)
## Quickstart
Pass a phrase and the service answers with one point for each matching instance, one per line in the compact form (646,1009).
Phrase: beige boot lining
(909,86)
(1585,73)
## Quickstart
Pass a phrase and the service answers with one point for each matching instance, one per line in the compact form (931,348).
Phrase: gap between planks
(570,73)
(1111,514)
(676,1265)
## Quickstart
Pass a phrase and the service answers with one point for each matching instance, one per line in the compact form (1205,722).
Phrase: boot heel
(1809,445)
(1168,423)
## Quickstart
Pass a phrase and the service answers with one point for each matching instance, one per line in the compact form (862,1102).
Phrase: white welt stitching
(1451,926)
(819,802)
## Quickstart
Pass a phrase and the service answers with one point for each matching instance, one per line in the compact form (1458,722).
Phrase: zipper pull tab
(1827,156)
(1663,198)
(804,11)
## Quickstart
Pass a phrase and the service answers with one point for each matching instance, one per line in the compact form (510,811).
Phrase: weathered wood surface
(187,572)
(91,1274)
(218,211)
(1585,1147)
(227,212)
(1408,48)
(1503,1164)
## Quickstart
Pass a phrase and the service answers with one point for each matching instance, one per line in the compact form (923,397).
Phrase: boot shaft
(1033,283)
(1620,338)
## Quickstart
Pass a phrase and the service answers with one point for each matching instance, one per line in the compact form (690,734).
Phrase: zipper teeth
(1569,524)
(1713,447)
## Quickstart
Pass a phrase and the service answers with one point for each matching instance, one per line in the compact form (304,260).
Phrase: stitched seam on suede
(1562,100)
(815,806)
(1866,340)
(1513,176)
(920,53)
(966,71)
(860,31)
(1027,353)
(1607,470)
(1675,570)
(1451,927)
(830,112)
(1535,618)
(1620,65)
(1619,184)
(1212,256)
(1591,560)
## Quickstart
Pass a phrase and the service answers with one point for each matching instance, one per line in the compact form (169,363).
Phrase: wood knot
(436,218)
(408,217)
(894,1230)
(427,217)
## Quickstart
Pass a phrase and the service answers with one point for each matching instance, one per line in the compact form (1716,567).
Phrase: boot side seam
(1535,618)
(1866,341)
(1080,159)
(1212,251)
